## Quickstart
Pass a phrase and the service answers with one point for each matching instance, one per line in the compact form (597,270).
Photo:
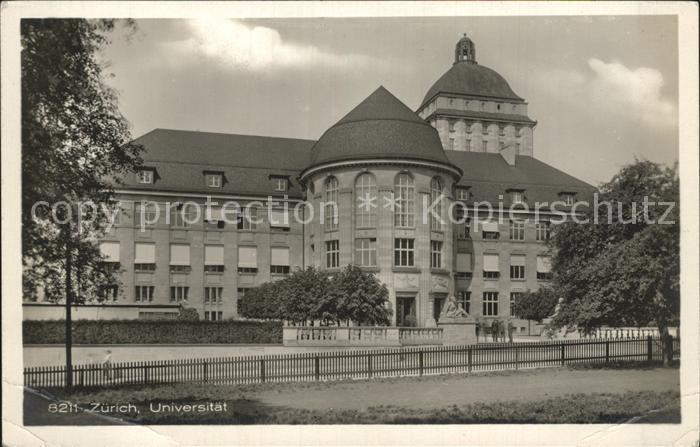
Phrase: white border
(637,435)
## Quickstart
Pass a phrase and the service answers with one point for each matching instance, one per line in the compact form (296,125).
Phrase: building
(355,196)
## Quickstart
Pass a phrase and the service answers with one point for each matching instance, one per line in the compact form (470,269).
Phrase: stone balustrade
(360,336)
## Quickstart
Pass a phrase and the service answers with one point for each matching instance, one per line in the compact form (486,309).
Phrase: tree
(536,305)
(360,297)
(262,302)
(75,147)
(624,269)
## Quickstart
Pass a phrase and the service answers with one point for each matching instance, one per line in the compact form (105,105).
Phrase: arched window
(404,203)
(330,204)
(436,214)
(365,201)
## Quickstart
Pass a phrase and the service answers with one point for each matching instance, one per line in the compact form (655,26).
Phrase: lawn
(555,395)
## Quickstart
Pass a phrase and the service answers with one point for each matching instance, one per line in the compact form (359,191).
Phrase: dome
(380,127)
(471,79)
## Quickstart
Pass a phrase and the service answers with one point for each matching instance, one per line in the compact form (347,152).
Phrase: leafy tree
(536,305)
(188,314)
(360,297)
(624,269)
(303,296)
(75,147)
(262,302)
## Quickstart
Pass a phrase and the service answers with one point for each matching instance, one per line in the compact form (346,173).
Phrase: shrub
(153,332)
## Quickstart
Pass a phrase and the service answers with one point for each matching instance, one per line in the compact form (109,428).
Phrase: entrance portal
(406,311)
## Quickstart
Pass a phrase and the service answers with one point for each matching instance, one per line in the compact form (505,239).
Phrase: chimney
(508,153)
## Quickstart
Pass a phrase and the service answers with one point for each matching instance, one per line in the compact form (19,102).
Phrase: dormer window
(280,184)
(214,180)
(463,194)
(568,198)
(517,197)
(145,176)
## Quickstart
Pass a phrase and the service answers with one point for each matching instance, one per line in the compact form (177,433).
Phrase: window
(543,231)
(544,268)
(464,265)
(110,252)
(513,297)
(464,299)
(214,180)
(463,194)
(248,219)
(484,146)
(568,198)
(108,292)
(247,260)
(490,304)
(241,294)
(451,145)
(435,254)
(404,201)
(281,184)
(182,216)
(491,270)
(403,253)
(517,230)
(146,213)
(489,230)
(279,219)
(144,294)
(517,267)
(214,258)
(213,295)
(365,198)
(144,257)
(179,258)
(468,144)
(145,176)
(179,294)
(331,204)
(214,217)
(436,197)
(516,197)
(332,254)
(279,260)
(366,252)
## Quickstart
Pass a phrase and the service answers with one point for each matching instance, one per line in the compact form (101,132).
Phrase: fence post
(469,359)
(317,369)
(262,370)
(517,357)
(607,351)
(649,349)
(563,346)
(206,371)
(420,362)
(145,373)
(369,365)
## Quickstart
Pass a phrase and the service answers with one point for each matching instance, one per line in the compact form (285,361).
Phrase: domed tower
(370,177)
(474,109)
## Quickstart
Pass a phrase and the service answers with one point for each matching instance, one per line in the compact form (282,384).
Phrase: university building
(365,186)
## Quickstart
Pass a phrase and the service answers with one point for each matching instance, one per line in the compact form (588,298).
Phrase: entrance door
(438,302)
(405,311)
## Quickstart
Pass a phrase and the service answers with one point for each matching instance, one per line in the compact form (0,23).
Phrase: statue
(452,309)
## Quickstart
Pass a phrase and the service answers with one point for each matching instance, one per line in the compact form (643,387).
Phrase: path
(443,391)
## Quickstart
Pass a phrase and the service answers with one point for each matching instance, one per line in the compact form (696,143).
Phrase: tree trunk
(69,323)
(666,344)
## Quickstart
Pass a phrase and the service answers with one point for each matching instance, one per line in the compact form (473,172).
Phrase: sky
(603,90)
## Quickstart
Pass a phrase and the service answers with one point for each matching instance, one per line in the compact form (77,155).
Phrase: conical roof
(383,127)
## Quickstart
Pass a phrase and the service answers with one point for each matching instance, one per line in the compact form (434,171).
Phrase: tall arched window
(404,204)
(365,201)
(436,214)
(330,204)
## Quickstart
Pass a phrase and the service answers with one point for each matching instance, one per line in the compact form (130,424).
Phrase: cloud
(611,89)
(636,92)
(235,45)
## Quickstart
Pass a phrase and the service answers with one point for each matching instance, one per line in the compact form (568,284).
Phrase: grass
(243,406)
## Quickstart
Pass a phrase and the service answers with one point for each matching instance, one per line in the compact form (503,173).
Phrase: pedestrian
(494,330)
(478,329)
(107,365)
(511,329)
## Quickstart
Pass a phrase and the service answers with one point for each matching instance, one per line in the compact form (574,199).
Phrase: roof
(471,79)
(181,158)
(381,126)
(488,176)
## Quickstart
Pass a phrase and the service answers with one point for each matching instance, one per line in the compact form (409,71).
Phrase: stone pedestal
(458,330)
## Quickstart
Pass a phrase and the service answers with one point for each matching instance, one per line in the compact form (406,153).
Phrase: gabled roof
(381,126)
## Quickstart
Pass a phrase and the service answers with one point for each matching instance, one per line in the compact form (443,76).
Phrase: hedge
(153,332)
